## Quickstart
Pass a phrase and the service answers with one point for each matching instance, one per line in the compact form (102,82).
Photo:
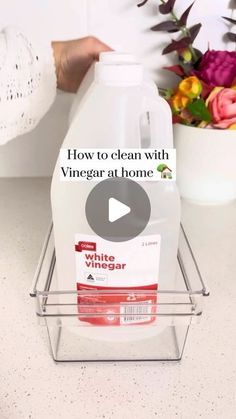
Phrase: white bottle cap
(119,74)
(116,57)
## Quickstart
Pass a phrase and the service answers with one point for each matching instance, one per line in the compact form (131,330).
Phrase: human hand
(73,59)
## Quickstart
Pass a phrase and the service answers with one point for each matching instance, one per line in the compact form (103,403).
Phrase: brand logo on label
(91,246)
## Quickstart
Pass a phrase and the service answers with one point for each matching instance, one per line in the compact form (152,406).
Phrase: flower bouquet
(204,97)
(206,94)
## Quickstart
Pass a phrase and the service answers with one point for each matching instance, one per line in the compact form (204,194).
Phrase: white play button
(117,210)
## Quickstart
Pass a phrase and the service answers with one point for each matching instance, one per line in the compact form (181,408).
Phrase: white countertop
(202,385)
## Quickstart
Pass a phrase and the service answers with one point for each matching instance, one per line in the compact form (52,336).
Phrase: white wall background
(115,22)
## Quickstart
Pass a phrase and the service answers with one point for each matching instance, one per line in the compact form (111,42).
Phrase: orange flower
(190,87)
(179,101)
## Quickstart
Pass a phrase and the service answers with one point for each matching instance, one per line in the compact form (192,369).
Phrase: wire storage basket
(76,320)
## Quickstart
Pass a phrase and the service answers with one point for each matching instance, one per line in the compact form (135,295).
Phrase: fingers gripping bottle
(109,116)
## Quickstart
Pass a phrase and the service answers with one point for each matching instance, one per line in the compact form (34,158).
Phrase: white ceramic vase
(206,164)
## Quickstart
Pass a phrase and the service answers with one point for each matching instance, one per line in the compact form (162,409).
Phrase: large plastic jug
(109,116)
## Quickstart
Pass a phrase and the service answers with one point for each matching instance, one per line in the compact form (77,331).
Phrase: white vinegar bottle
(109,117)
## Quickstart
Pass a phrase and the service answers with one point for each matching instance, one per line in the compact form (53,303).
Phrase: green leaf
(165,93)
(199,110)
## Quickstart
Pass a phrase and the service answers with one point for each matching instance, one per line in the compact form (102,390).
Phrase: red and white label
(128,266)
(85,246)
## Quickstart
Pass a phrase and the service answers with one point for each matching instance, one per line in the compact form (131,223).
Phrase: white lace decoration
(27,83)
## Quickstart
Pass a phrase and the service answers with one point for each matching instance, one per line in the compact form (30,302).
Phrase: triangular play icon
(117,209)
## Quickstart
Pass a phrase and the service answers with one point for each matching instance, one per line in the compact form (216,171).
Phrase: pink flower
(222,106)
(217,68)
